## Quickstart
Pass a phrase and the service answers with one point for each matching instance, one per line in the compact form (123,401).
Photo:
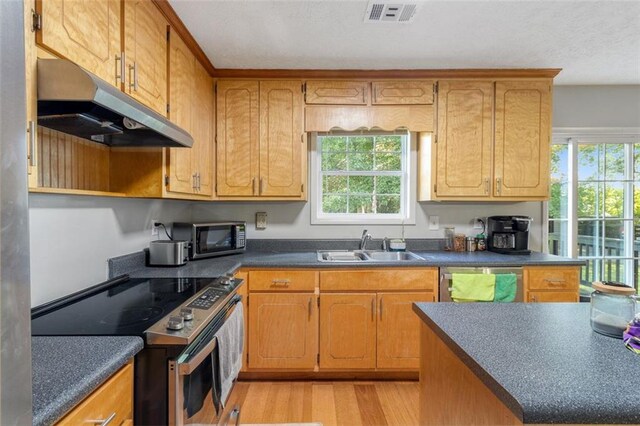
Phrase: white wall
(72,237)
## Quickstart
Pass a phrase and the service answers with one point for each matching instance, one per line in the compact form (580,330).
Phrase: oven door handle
(188,367)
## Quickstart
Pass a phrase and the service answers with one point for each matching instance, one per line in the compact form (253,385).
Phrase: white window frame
(407,215)
(573,137)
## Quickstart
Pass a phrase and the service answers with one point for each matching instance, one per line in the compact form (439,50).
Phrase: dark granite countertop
(544,361)
(67,369)
(278,257)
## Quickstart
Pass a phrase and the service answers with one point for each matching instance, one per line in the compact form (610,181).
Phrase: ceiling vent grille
(390,12)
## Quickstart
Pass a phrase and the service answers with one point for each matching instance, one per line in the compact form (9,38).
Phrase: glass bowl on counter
(613,306)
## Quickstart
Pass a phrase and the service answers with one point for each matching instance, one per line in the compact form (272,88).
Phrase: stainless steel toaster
(168,253)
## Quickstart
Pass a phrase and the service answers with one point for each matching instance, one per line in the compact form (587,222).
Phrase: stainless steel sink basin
(342,256)
(392,256)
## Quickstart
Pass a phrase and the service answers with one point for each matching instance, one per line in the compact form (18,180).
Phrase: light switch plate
(261,220)
(434,223)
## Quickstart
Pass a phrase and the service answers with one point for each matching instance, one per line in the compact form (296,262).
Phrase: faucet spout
(363,240)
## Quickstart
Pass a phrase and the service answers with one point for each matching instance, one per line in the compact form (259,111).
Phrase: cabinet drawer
(283,280)
(552,296)
(113,398)
(379,279)
(402,92)
(552,278)
(327,92)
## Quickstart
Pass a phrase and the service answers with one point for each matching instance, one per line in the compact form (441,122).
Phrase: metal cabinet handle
(102,422)
(309,308)
(381,309)
(486,186)
(193,183)
(235,413)
(120,64)
(499,186)
(534,299)
(253,186)
(133,83)
(198,181)
(261,185)
(32,143)
(281,282)
(373,309)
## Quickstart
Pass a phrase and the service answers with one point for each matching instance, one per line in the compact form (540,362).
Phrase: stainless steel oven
(195,379)
(212,239)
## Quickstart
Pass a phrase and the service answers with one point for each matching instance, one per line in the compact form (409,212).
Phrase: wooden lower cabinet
(552,296)
(348,331)
(283,331)
(552,284)
(398,330)
(113,398)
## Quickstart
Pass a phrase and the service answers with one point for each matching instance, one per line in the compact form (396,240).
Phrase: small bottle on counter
(458,242)
(482,242)
(471,244)
(449,233)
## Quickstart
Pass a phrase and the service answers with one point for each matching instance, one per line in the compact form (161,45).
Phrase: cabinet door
(328,92)
(203,129)
(552,296)
(465,138)
(522,138)
(181,88)
(237,138)
(281,138)
(399,330)
(348,331)
(86,32)
(418,92)
(145,47)
(283,331)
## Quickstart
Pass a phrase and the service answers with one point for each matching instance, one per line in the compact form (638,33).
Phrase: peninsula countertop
(67,369)
(543,362)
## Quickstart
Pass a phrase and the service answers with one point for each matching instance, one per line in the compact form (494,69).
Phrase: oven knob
(186,314)
(175,323)
(227,280)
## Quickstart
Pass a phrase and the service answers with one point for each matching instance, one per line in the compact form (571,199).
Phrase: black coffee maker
(508,234)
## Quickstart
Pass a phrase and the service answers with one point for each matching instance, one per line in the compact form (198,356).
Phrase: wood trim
(328,375)
(387,74)
(69,191)
(176,23)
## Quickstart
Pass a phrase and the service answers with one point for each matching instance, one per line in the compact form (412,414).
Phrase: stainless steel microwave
(212,239)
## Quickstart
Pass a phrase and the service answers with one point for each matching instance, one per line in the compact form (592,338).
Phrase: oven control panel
(206,299)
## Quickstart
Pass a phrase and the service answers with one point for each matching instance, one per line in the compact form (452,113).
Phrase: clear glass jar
(449,232)
(612,308)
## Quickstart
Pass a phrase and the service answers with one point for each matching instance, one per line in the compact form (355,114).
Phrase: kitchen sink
(349,256)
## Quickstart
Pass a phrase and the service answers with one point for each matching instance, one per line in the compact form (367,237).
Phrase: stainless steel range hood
(74,101)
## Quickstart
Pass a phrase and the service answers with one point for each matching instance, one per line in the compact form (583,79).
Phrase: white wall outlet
(155,230)
(434,223)
(477,223)
(261,220)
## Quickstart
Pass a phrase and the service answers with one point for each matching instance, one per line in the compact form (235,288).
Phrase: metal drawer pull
(102,422)
(235,413)
(281,282)
(555,281)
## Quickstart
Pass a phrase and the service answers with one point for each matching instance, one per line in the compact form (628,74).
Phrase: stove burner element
(133,316)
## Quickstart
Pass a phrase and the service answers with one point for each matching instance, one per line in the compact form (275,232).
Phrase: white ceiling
(595,42)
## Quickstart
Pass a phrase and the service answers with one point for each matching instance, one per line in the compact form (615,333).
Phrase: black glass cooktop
(127,308)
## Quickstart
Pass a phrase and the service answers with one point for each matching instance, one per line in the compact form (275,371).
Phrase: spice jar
(482,242)
(471,244)
(613,306)
(458,242)
(449,232)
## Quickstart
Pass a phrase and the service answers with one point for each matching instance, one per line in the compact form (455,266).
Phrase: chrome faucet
(385,244)
(363,241)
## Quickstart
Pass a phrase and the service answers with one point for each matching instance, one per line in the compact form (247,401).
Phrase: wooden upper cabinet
(522,138)
(203,131)
(283,331)
(465,138)
(145,47)
(337,92)
(418,92)
(348,331)
(281,138)
(86,32)
(238,137)
(399,330)
(181,94)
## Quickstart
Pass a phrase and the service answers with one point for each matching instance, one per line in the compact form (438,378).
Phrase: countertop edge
(500,392)
(59,407)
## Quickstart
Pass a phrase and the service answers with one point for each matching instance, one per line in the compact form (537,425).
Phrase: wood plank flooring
(348,403)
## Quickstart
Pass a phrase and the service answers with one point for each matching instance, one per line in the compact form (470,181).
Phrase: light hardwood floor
(345,403)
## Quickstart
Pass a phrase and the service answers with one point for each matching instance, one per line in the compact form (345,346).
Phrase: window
(362,178)
(594,208)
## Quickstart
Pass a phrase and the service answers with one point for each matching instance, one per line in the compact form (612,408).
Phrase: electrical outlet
(434,223)
(477,223)
(261,220)
(155,230)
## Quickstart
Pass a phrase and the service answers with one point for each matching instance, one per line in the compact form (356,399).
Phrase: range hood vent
(74,101)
